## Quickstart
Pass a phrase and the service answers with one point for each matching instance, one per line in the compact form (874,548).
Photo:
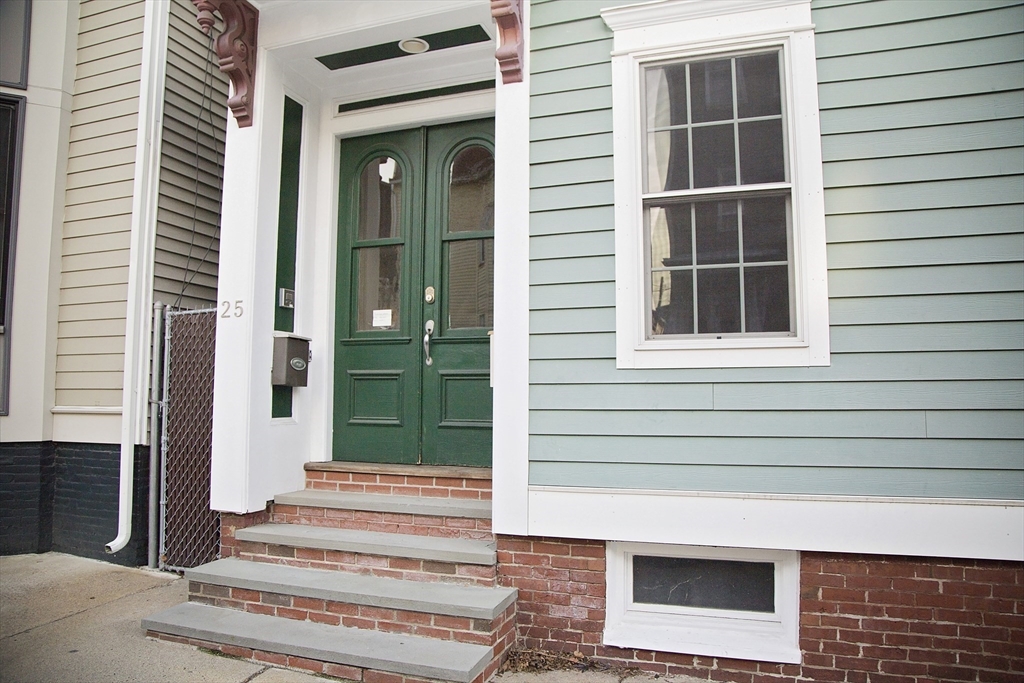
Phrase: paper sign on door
(382,318)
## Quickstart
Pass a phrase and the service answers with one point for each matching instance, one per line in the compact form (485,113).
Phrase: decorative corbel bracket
(236,48)
(508,15)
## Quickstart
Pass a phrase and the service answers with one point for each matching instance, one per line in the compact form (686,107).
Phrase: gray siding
(923,141)
(191,166)
(98,204)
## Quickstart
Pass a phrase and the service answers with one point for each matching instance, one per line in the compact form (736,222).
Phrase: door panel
(416,214)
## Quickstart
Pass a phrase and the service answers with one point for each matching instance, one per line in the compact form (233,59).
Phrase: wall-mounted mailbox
(291,360)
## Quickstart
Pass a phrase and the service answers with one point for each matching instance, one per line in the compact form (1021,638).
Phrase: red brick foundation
(864,619)
(399,484)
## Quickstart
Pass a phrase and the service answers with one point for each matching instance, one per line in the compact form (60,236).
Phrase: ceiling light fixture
(413,46)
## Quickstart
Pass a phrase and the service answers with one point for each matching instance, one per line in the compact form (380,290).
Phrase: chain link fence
(189,530)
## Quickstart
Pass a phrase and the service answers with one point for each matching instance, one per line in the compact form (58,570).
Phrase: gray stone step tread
(458,550)
(398,653)
(474,602)
(377,502)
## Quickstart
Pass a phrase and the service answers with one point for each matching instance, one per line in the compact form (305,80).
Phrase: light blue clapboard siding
(935,308)
(886,170)
(994,50)
(909,115)
(930,252)
(925,140)
(566,149)
(577,78)
(571,172)
(922,120)
(846,367)
(773,479)
(564,223)
(990,20)
(992,454)
(988,277)
(573,244)
(975,220)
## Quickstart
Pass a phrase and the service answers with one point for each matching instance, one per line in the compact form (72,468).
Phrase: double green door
(415,297)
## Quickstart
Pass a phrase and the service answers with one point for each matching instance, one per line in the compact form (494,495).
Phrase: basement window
(721,602)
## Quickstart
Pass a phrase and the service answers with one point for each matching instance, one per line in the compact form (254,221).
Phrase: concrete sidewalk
(65,619)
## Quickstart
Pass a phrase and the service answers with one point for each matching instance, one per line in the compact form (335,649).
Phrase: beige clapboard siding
(98,204)
(191,166)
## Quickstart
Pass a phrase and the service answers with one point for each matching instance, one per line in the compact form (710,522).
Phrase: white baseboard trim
(978,529)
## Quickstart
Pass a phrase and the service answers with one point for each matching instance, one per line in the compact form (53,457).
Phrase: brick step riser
(387,522)
(350,673)
(400,485)
(367,564)
(440,626)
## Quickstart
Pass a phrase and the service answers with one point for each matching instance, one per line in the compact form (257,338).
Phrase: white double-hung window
(720,236)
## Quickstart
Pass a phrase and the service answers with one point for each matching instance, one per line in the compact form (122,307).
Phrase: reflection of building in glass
(380,217)
(471,261)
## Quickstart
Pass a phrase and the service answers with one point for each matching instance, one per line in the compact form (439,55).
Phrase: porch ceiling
(299,31)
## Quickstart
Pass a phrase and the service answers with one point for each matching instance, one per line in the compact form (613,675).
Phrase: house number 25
(227,311)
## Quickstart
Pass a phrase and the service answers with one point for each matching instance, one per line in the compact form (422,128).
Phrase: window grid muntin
(737,192)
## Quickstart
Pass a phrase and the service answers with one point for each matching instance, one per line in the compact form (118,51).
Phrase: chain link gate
(189,530)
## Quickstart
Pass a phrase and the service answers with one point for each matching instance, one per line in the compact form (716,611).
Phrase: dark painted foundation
(63,497)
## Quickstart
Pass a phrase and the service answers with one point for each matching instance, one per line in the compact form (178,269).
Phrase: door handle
(429,329)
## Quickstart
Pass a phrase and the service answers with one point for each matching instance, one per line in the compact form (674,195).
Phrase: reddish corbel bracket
(236,48)
(508,14)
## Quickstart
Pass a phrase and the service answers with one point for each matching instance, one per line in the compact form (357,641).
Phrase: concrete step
(391,652)
(475,602)
(454,550)
(407,505)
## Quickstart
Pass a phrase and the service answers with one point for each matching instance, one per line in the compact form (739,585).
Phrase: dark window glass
(666,96)
(712,584)
(471,191)
(470,283)
(380,200)
(758,92)
(766,298)
(15,20)
(380,288)
(672,301)
(671,240)
(761,159)
(717,236)
(668,161)
(714,156)
(764,230)
(711,88)
(718,300)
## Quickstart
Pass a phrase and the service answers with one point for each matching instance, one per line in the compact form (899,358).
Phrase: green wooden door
(415,252)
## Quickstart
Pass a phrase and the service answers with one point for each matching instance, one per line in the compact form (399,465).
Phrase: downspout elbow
(124,502)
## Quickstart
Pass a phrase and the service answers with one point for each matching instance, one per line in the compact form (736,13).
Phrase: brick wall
(864,619)
(86,499)
(26,497)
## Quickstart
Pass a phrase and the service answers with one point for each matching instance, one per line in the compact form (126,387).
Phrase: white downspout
(140,264)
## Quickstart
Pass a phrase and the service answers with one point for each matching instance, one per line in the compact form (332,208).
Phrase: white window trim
(714,633)
(651,32)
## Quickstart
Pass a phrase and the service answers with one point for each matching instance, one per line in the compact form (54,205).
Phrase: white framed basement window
(718,602)
(719,213)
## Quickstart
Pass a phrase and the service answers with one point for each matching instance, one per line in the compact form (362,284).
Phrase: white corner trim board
(979,529)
